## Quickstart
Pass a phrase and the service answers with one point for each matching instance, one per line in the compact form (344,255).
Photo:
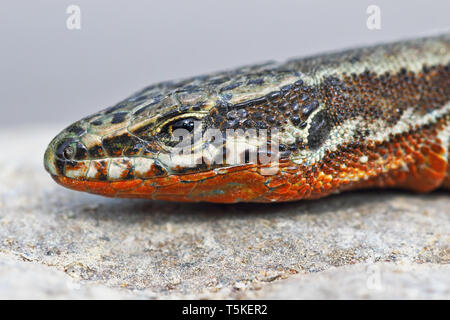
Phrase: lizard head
(171,141)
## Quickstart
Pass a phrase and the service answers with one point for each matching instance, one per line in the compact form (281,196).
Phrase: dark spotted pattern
(96,152)
(119,117)
(124,144)
(319,130)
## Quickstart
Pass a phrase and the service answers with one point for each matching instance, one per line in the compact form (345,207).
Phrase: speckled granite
(152,249)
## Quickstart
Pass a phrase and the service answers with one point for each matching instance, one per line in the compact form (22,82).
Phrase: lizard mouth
(160,177)
(240,183)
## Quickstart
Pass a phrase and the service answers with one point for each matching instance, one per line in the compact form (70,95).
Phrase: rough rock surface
(371,244)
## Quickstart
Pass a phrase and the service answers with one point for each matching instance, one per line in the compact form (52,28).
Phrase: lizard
(370,117)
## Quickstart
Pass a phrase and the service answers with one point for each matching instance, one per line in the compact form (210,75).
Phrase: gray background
(51,74)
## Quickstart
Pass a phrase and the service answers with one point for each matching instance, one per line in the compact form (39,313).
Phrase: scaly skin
(370,117)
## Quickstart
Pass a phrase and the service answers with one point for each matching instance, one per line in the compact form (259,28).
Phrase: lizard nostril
(66,150)
(69,153)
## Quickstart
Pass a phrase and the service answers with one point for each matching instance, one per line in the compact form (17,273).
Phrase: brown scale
(399,92)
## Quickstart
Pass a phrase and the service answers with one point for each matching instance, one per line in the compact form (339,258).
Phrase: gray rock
(25,280)
(366,281)
(156,249)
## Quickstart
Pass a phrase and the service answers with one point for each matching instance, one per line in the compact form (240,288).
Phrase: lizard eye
(187,124)
(169,134)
